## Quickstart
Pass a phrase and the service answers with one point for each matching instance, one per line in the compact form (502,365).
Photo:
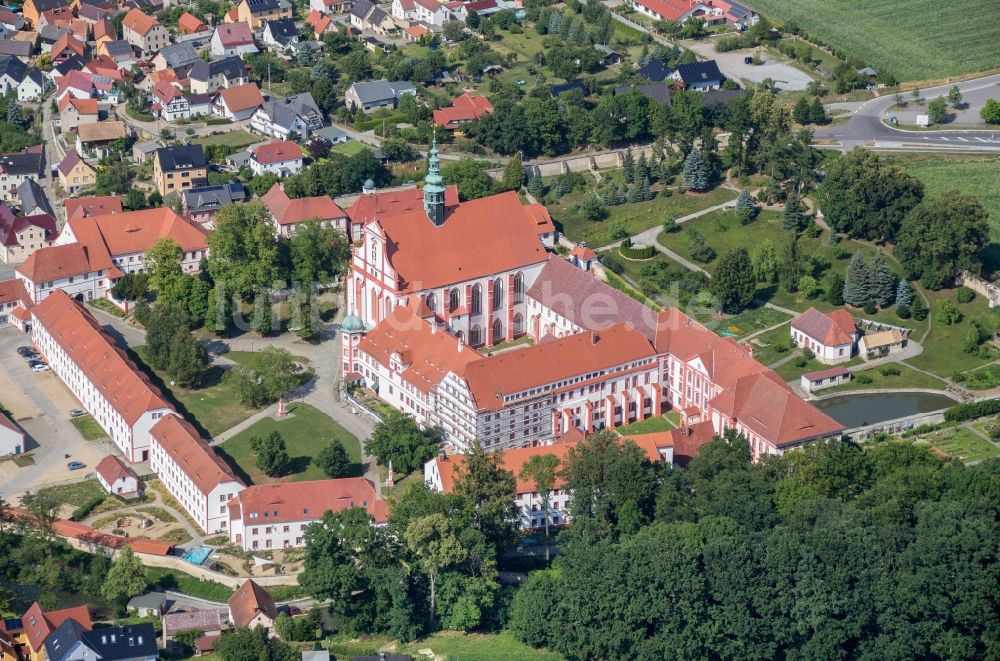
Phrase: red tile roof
(241,97)
(134,232)
(84,207)
(140,22)
(112,469)
(502,233)
(287,211)
(85,533)
(249,600)
(82,106)
(39,624)
(13,290)
(192,455)
(235,34)
(827,328)
(685,441)
(276,151)
(426,355)
(195,620)
(826,374)
(306,501)
(670,10)
(55,262)
(189,24)
(583,253)
(66,41)
(464,108)
(126,388)
(11,225)
(392,203)
(511,372)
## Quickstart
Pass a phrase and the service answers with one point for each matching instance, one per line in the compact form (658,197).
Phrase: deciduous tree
(942,237)
(733,282)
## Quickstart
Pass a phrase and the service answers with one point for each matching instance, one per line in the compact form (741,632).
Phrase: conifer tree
(883,281)
(695,171)
(800,113)
(642,168)
(647,193)
(904,297)
(14,114)
(630,195)
(628,166)
(513,173)
(817,113)
(791,218)
(857,282)
(744,200)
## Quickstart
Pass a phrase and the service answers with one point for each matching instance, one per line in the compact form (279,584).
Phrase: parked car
(26,352)
(40,367)
(76,465)
(76,413)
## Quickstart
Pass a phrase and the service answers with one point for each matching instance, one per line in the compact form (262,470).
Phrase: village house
(109,386)
(465,108)
(17,168)
(288,213)
(280,33)
(33,200)
(296,113)
(39,625)
(144,32)
(201,204)
(275,516)
(252,606)
(375,94)
(279,157)
(210,77)
(33,87)
(255,12)
(75,174)
(88,207)
(881,343)
(71,642)
(14,303)
(320,23)
(117,478)
(11,436)
(208,622)
(237,103)
(233,39)
(169,104)
(835,376)
(179,167)
(12,73)
(699,76)
(192,472)
(829,335)
(175,56)
(365,15)
(331,6)
(188,23)
(94,140)
(74,111)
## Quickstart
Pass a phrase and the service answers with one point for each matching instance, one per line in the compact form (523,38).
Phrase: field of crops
(975,175)
(914,39)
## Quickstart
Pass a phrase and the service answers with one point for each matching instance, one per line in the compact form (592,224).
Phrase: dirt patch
(14,399)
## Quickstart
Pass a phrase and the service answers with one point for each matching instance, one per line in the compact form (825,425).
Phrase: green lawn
(306,432)
(648,426)
(171,579)
(772,346)
(907,378)
(961,444)
(750,321)
(74,494)
(977,175)
(88,428)
(633,218)
(501,646)
(237,139)
(350,148)
(249,358)
(215,407)
(942,352)
(915,39)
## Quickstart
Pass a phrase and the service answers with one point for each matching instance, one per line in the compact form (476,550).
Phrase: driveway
(731,64)
(40,404)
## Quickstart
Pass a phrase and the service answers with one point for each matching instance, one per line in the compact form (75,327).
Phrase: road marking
(960,138)
(945,139)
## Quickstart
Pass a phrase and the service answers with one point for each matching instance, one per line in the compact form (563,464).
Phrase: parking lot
(40,403)
(731,64)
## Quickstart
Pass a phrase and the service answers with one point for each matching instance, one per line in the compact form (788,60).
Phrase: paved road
(866,129)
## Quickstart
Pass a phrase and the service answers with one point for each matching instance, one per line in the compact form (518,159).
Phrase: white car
(42,367)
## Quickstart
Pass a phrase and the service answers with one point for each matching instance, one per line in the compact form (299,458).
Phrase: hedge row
(641,252)
(971,411)
(81,512)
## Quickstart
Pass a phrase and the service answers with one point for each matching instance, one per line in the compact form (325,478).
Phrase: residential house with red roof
(233,39)
(237,103)
(188,23)
(117,478)
(275,516)
(144,32)
(66,47)
(14,303)
(288,213)
(252,606)
(74,111)
(832,336)
(108,384)
(193,473)
(22,235)
(281,157)
(168,102)
(93,205)
(39,625)
(466,108)
(320,23)
(712,12)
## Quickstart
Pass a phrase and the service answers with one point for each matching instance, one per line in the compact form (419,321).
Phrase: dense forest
(830,552)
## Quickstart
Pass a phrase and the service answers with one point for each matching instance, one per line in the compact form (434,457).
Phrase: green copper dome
(352,324)
(433,182)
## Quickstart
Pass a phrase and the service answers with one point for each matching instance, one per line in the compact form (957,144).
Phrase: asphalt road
(866,129)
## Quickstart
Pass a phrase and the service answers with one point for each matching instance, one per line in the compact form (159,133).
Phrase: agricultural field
(915,39)
(968,174)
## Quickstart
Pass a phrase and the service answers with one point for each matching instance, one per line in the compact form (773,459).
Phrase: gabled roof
(699,72)
(318,21)
(231,67)
(248,601)
(10,226)
(56,262)
(39,624)
(189,23)
(586,301)
(305,501)
(13,291)
(241,97)
(655,70)
(101,131)
(380,90)
(13,67)
(126,388)
(60,642)
(670,10)
(71,161)
(111,469)
(276,151)
(287,211)
(503,232)
(829,329)
(134,641)
(68,42)
(282,30)
(139,21)
(84,207)
(15,47)
(179,54)
(199,461)
(234,34)
(195,620)
(82,106)
(135,232)
(210,198)
(27,162)
(282,112)
(32,197)
(370,206)
(181,157)
(257,6)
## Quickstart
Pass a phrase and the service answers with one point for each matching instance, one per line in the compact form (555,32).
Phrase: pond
(863,409)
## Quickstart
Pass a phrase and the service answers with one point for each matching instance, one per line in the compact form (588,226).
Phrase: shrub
(889,370)
(81,512)
(781,347)
(637,252)
(973,410)
(965,295)
(863,378)
(801,361)
(870,307)
(903,312)
(808,354)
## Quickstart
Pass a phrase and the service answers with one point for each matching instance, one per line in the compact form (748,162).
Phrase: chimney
(434,329)
(461,344)
(594,337)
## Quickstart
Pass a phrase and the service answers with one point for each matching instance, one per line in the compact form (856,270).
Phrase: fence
(358,407)
(984,288)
